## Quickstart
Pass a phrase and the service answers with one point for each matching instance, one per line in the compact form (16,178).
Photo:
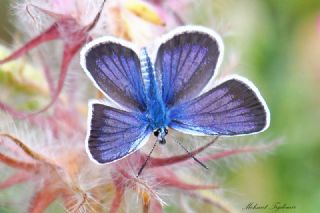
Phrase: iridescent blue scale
(156,113)
(167,94)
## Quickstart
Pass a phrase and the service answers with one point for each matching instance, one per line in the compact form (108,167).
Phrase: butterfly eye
(156,133)
(163,141)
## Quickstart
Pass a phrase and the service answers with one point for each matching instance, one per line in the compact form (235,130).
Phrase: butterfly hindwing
(234,107)
(114,133)
(114,68)
(185,63)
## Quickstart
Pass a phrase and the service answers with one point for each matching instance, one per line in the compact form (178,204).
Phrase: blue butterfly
(166,93)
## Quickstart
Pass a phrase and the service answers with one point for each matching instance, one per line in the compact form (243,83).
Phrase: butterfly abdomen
(155,106)
(148,74)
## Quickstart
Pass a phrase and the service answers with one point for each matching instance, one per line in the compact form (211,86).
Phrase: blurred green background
(277,44)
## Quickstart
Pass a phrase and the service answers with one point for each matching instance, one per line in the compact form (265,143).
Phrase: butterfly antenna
(148,157)
(191,155)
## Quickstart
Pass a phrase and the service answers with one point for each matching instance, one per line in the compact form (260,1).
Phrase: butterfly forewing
(114,133)
(234,107)
(115,70)
(186,62)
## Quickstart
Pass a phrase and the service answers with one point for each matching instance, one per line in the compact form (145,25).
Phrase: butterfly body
(156,112)
(154,96)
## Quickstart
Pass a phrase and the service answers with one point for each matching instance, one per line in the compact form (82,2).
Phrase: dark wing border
(89,121)
(250,86)
(105,40)
(191,29)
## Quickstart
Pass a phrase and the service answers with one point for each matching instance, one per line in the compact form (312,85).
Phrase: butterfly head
(160,134)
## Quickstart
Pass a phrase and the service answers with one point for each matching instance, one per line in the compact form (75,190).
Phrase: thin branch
(156,162)
(27,150)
